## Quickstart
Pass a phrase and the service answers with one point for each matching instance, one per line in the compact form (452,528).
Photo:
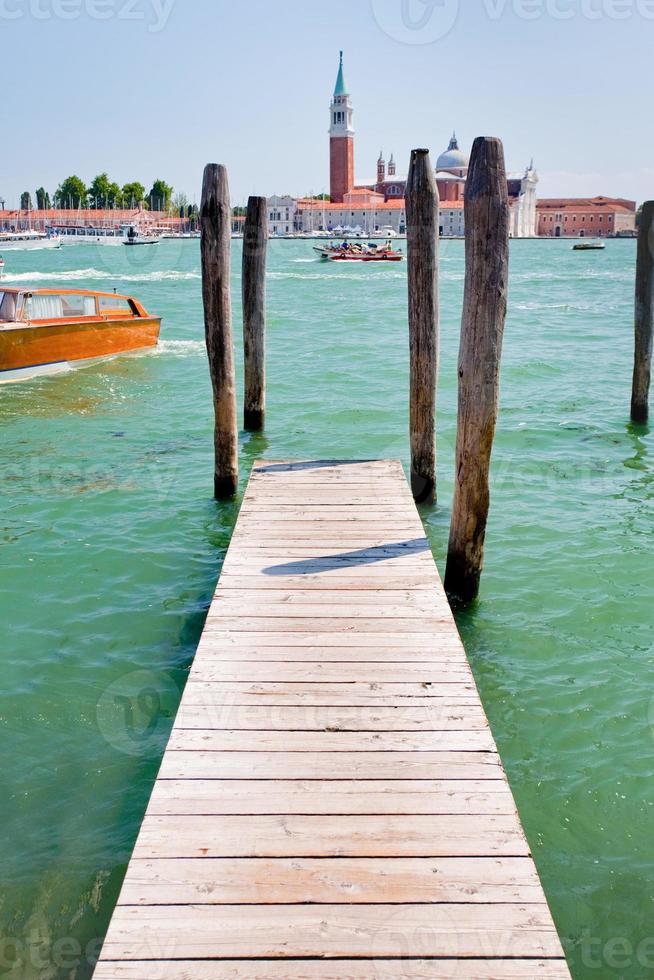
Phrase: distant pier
(331,803)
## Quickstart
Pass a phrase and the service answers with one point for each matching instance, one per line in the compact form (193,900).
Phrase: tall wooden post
(482,328)
(644,315)
(215,246)
(255,247)
(422,242)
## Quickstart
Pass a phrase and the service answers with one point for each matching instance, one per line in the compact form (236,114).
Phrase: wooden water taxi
(47,331)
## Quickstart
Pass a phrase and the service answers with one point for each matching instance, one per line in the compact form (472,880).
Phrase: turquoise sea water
(111,546)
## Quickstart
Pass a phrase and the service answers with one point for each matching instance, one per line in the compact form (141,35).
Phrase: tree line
(102,193)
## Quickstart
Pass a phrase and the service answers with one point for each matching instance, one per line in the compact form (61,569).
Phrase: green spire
(341,87)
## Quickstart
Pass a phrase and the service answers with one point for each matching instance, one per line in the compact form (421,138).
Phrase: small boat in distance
(134,237)
(20,241)
(48,331)
(356,252)
(588,246)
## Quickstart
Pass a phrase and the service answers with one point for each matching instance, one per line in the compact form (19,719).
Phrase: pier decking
(331,803)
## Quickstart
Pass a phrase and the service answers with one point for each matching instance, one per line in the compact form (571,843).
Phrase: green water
(111,545)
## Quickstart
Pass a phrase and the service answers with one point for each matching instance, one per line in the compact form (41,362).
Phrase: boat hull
(365,258)
(32,351)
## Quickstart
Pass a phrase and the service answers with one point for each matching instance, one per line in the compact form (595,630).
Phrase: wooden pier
(331,803)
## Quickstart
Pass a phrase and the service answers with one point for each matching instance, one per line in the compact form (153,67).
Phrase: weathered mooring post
(215,247)
(482,328)
(644,315)
(255,247)
(422,244)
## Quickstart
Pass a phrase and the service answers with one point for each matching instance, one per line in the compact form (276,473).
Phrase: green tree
(42,199)
(71,193)
(160,196)
(99,192)
(26,201)
(133,194)
(115,196)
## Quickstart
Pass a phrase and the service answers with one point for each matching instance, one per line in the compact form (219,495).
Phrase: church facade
(379,204)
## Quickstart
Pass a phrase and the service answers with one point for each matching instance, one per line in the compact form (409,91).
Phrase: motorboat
(47,331)
(19,241)
(134,237)
(358,252)
(588,246)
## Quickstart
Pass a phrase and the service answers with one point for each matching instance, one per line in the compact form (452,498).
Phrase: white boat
(592,246)
(19,241)
(385,232)
(89,235)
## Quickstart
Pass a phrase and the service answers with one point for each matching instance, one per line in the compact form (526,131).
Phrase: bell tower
(381,169)
(341,140)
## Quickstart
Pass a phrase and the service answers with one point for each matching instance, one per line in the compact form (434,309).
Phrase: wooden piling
(422,243)
(255,247)
(215,246)
(482,328)
(644,315)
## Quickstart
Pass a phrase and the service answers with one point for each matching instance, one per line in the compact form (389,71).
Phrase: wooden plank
(298,718)
(201,931)
(212,648)
(316,796)
(373,695)
(230,671)
(210,740)
(333,623)
(325,881)
(296,601)
(199,764)
(377,969)
(389,639)
(331,788)
(348,835)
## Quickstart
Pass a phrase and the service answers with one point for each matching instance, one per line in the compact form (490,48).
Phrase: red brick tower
(341,140)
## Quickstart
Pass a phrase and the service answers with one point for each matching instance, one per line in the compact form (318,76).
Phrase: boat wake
(180,348)
(87,275)
(341,276)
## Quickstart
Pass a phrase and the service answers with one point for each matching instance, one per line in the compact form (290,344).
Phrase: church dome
(453,158)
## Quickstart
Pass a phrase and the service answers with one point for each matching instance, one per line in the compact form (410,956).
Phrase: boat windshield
(8,307)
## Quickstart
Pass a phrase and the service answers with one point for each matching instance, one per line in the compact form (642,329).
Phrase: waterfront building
(281,215)
(82,219)
(586,217)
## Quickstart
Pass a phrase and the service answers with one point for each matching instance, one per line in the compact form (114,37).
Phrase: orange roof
(88,216)
(586,204)
(351,206)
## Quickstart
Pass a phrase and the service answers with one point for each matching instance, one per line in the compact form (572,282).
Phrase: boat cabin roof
(48,290)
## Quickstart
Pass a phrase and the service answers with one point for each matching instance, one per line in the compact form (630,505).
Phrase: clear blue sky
(248,84)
